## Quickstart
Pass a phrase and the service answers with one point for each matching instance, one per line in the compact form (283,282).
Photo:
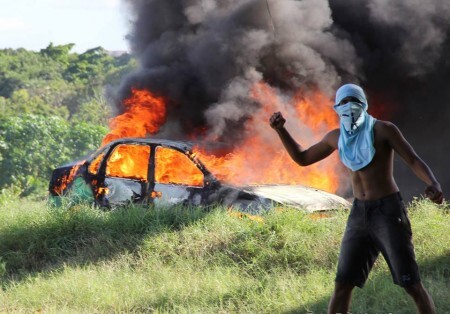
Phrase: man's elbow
(301,161)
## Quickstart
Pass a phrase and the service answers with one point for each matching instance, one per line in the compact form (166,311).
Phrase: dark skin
(376,180)
(372,182)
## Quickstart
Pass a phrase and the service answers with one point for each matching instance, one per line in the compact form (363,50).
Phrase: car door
(177,179)
(126,174)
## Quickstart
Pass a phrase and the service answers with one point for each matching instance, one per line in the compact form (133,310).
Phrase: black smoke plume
(404,53)
(205,55)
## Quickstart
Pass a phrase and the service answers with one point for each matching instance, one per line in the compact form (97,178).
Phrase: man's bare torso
(376,179)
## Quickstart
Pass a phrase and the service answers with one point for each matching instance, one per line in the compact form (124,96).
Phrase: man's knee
(415,290)
(343,288)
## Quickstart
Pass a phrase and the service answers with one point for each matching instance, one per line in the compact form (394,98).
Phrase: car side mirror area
(212,183)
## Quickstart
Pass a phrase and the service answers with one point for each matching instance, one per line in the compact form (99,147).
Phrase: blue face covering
(356,138)
(350,115)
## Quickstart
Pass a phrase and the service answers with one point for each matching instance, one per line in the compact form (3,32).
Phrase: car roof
(182,145)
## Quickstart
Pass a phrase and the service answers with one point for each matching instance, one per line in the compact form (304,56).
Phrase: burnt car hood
(299,196)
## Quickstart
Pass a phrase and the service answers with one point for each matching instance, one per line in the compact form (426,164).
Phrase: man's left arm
(417,165)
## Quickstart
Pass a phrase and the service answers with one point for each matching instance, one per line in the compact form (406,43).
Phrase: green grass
(187,260)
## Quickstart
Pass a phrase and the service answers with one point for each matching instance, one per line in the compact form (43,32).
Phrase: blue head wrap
(351,90)
(356,148)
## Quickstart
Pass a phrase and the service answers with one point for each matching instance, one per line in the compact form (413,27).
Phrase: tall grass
(188,260)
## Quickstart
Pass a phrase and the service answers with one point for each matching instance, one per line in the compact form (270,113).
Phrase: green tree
(31,146)
(51,109)
(90,66)
(94,111)
(58,53)
(61,78)
(21,102)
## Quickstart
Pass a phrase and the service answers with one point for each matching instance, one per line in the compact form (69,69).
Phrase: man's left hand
(434,193)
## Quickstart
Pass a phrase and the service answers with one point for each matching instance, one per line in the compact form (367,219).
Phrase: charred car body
(164,173)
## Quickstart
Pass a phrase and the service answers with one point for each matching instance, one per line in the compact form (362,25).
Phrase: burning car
(165,173)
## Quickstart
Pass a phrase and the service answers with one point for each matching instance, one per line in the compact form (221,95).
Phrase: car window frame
(187,154)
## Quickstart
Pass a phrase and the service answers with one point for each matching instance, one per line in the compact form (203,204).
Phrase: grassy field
(186,260)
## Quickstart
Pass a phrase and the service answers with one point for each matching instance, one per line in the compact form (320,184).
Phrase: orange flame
(64,182)
(95,164)
(129,161)
(144,114)
(102,191)
(174,167)
(260,158)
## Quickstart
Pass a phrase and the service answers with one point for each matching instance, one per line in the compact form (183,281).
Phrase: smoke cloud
(205,55)
(404,50)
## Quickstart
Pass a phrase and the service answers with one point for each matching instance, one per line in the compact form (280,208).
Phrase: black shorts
(372,227)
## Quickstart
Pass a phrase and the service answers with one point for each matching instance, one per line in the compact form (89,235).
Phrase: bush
(31,146)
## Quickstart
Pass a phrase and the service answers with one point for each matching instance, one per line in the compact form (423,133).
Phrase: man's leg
(393,233)
(356,258)
(423,300)
(340,300)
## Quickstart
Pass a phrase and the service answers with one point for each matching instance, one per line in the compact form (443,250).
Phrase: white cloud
(112,3)
(33,24)
(11,24)
(82,4)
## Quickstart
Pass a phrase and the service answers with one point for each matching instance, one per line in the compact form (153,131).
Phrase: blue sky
(33,24)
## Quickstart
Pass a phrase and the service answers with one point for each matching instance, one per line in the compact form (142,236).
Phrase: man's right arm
(417,165)
(301,156)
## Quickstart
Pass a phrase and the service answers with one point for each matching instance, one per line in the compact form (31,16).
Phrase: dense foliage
(53,109)
(31,146)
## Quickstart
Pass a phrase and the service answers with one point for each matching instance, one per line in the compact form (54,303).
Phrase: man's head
(351,106)
(351,92)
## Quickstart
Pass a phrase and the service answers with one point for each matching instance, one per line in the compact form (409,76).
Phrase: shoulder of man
(381,125)
(385,128)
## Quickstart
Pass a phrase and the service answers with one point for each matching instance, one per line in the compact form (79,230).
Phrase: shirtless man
(378,221)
